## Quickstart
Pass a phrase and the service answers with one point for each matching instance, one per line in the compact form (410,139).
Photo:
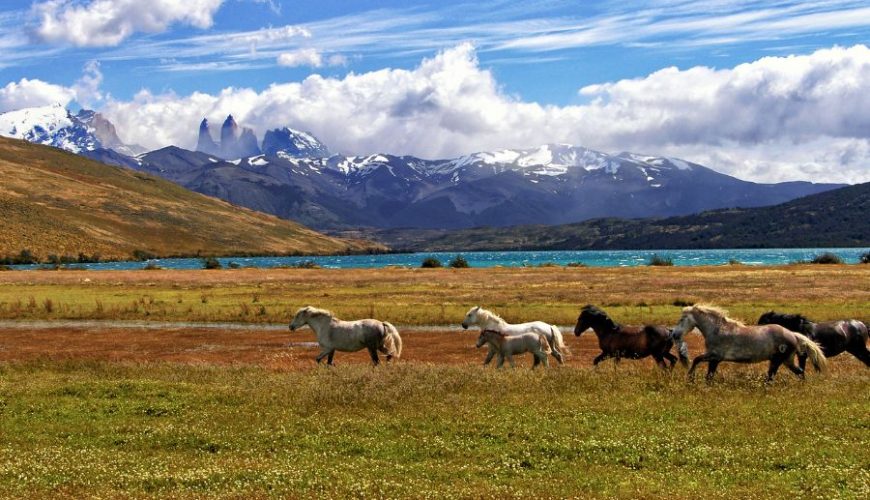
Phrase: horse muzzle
(464,326)
(292,328)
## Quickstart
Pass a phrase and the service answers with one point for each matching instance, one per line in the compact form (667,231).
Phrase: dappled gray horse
(726,339)
(334,334)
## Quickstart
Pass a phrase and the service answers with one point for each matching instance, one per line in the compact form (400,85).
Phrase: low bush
(865,258)
(211,263)
(660,260)
(152,266)
(827,258)
(576,264)
(459,263)
(431,262)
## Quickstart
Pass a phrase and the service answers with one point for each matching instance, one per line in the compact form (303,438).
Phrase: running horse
(334,334)
(634,342)
(834,337)
(727,339)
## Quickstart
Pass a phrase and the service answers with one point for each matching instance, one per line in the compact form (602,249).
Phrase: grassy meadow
(192,413)
(434,296)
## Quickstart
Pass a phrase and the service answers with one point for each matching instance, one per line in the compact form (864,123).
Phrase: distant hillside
(840,217)
(54,202)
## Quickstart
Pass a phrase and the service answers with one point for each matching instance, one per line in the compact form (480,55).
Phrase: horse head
(592,317)
(470,318)
(794,322)
(486,335)
(686,324)
(301,318)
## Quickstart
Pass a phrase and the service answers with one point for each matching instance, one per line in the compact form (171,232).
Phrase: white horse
(488,320)
(334,334)
(508,345)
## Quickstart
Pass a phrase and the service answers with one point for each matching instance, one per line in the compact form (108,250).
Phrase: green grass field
(417,430)
(117,429)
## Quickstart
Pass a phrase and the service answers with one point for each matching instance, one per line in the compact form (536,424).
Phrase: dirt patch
(281,350)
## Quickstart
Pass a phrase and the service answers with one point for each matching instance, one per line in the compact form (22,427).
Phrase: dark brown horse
(634,342)
(834,337)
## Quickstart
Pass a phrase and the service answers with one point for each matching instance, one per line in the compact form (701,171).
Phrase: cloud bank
(102,23)
(774,119)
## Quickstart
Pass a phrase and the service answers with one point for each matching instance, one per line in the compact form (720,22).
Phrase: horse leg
(775,361)
(660,361)
(859,351)
(671,358)
(510,359)
(601,357)
(500,362)
(698,359)
(386,352)
(373,352)
(329,358)
(489,355)
(544,360)
(802,361)
(558,355)
(794,369)
(324,354)
(536,359)
(712,364)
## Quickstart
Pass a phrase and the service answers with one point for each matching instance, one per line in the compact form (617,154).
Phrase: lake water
(615,258)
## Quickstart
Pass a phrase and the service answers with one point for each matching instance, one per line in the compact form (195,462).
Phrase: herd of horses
(777,338)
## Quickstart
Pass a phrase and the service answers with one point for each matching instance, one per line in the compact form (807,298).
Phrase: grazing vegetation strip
(636,295)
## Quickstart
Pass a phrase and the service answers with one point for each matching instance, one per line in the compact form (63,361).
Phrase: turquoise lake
(598,258)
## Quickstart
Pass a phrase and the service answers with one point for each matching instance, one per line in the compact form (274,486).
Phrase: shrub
(211,263)
(865,258)
(459,262)
(826,258)
(576,264)
(4,267)
(307,264)
(734,262)
(234,265)
(660,260)
(152,266)
(548,264)
(24,258)
(431,262)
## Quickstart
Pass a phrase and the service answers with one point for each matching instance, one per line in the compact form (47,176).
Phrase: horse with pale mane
(727,339)
(488,320)
(334,334)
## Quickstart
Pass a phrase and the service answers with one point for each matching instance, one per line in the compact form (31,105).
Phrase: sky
(767,91)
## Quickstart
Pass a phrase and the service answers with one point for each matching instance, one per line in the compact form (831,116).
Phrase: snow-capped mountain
(54,125)
(294,143)
(292,175)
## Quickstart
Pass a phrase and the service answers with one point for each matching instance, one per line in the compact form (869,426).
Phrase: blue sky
(559,62)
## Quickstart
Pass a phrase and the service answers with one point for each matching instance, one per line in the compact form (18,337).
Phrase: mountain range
(293,175)
(838,217)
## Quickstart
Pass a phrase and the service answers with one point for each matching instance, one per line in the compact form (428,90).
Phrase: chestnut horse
(834,337)
(634,342)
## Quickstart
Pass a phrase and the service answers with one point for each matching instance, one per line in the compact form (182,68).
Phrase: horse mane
(596,312)
(712,310)
(314,312)
(487,314)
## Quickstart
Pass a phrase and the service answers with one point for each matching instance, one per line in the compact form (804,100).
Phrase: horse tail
(558,341)
(545,344)
(807,346)
(392,340)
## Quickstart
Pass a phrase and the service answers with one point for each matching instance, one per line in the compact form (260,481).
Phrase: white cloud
(87,88)
(799,117)
(33,93)
(301,57)
(109,22)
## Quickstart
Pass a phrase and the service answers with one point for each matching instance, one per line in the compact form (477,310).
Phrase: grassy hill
(840,217)
(57,203)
